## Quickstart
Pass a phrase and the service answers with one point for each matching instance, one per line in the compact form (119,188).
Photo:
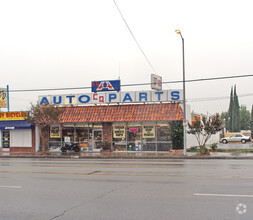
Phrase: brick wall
(22,149)
(107,132)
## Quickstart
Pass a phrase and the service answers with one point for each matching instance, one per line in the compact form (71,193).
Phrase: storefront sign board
(108,85)
(114,97)
(3,98)
(13,116)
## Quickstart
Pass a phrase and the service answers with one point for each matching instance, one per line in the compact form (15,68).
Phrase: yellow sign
(13,116)
(3,98)
(118,131)
(55,132)
(148,131)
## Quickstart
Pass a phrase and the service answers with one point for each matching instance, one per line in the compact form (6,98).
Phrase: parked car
(236,138)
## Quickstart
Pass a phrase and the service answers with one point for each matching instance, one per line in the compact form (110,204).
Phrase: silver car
(236,138)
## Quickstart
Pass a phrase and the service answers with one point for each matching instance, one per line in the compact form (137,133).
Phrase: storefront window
(119,137)
(6,139)
(68,133)
(163,137)
(149,137)
(163,132)
(82,135)
(134,137)
(145,136)
(54,136)
(141,137)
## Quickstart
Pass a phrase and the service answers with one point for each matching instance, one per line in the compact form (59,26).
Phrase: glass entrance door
(97,138)
(6,139)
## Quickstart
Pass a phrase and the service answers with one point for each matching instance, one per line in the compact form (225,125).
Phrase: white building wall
(188,112)
(21,138)
(37,138)
(192,141)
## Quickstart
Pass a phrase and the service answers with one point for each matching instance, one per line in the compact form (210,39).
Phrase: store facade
(124,127)
(16,134)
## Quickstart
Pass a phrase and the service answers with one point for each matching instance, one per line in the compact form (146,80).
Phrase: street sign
(156,82)
(185,122)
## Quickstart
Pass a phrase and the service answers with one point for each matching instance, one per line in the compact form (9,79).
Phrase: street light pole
(184,102)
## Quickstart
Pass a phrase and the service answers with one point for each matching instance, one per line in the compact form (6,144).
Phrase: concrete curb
(129,157)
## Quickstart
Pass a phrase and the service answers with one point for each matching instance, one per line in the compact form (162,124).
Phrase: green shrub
(214,147)
(177,134)
(194,149)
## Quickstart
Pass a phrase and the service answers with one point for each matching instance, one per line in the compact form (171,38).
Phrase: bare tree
(42,116)
(204,129)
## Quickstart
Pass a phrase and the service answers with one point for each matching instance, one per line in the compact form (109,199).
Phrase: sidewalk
(127,155)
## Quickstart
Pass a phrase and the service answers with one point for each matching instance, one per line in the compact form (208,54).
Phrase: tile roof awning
(123,113)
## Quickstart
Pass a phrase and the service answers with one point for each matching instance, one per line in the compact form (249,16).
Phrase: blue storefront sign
(114,97)
(11,125)
(108,85)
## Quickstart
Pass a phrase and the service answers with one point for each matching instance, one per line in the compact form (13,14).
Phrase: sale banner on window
(148,131)
(55,132)
(119,131)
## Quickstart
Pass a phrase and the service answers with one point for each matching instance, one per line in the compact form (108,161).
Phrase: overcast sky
(63,43)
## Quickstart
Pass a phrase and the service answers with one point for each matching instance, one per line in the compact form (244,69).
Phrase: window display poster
(118,131)
(148,131)
(55,132)
(6,139)
(67,139)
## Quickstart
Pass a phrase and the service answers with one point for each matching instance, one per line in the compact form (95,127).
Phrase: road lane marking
(14,187)
(223,195)
(77,166)
(101,173)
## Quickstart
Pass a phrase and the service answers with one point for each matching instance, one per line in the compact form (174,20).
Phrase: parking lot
(235,146)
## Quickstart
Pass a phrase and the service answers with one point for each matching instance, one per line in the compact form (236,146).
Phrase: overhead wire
(216,98)
(145,84)
(171,82)
(134,37)
(133,84)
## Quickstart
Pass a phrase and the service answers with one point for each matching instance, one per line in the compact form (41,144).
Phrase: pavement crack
(96,171)
(97,198)
(113,190)
(65,211)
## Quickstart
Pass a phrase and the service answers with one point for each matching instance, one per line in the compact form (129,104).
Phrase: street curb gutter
(134,158)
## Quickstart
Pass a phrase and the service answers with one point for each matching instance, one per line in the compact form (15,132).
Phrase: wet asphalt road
(126,189)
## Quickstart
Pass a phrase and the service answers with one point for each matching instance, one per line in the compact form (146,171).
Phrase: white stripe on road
(223,195)
(14,187)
